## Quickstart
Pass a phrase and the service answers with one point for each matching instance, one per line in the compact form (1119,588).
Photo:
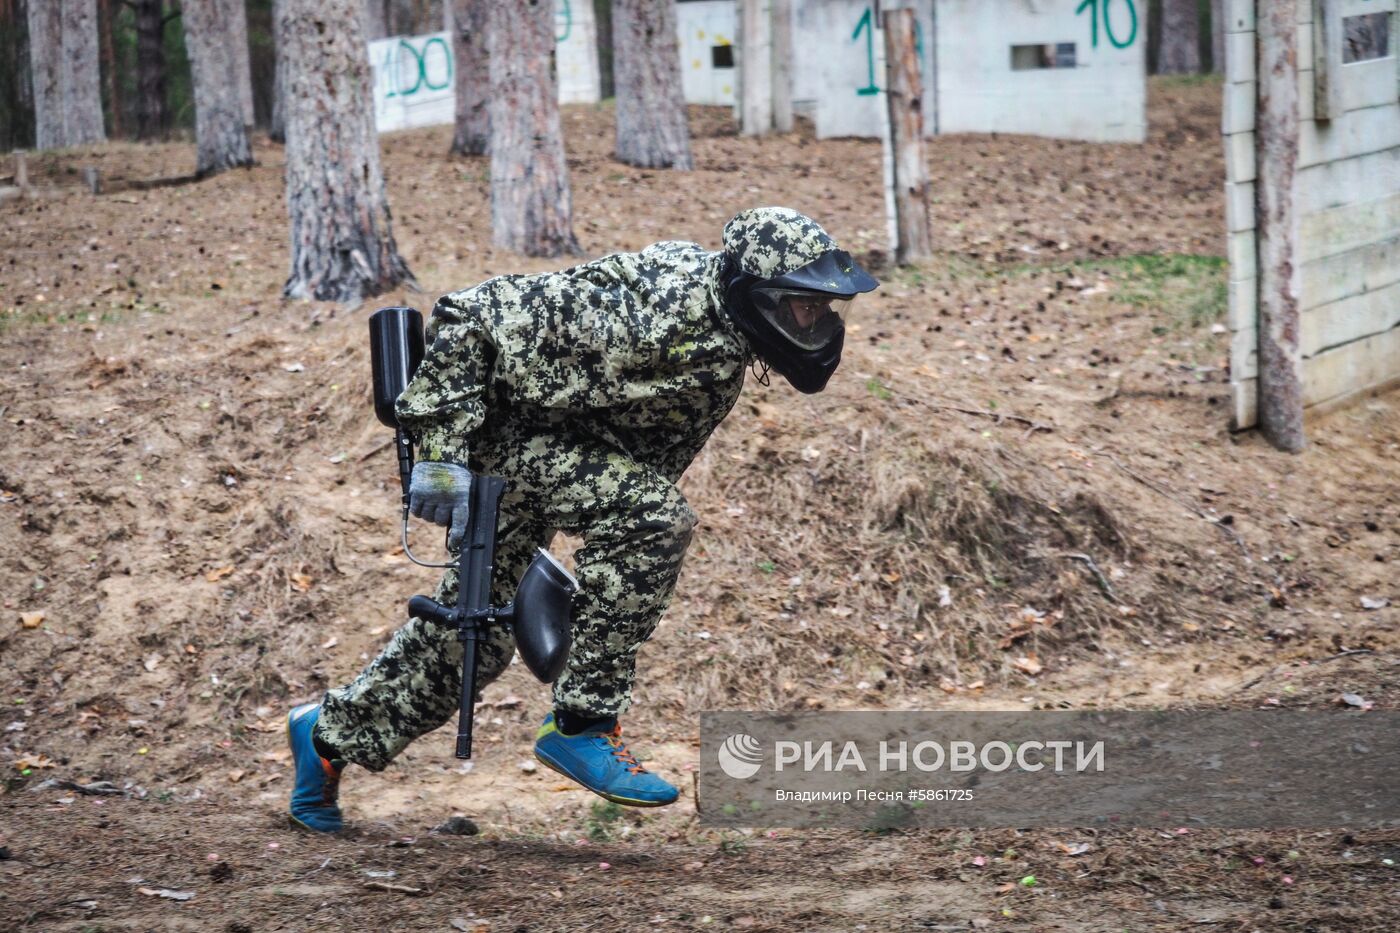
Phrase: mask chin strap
(760,370)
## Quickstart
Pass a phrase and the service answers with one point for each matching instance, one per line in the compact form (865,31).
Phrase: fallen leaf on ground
(31,619)
(1028,665)
(300,581)
(167,893)
(152,662)
(34,761)
(1013,636)
(214,576)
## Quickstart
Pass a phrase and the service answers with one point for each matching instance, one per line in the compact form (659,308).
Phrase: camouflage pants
(635,526)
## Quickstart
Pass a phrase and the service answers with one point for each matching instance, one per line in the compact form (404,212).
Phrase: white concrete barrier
(413,78)
(1348,189)
(575,29)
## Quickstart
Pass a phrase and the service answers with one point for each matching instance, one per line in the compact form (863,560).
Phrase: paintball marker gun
(540,615)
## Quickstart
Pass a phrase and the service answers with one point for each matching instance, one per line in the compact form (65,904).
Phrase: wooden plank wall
(1349,203)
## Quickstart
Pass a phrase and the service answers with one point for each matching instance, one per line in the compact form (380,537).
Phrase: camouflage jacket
(633,348)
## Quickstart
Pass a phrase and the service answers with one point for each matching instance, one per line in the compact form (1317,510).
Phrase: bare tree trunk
(1217,36)
(602,19)
(238,48)
(905,99)
(342,242)
(376,20)
(473,78)
(151,113)
(651,119)
(221,140)
(1180,38)
(1276,217)
(21,128)
(109,65)
(755,68)
(531,207)
(67,79)
(277,122)
(82,85)
(782,65)
(401,17)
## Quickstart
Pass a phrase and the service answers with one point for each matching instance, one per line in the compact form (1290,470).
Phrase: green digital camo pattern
(772,241)
(590,390)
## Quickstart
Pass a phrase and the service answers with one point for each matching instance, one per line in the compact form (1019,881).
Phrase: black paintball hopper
(539,617)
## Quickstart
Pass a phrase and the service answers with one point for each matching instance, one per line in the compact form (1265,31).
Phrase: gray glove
(440,493)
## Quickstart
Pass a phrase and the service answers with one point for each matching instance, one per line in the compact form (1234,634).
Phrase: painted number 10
(1093,6)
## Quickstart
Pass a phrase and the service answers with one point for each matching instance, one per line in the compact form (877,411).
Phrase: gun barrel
(474,571)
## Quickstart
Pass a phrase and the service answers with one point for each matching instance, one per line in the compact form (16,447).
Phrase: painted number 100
(1105,8)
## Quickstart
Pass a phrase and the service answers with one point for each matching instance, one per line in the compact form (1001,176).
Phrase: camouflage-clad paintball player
(590,391)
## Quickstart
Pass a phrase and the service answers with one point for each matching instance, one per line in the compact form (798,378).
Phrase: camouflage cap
(770,241)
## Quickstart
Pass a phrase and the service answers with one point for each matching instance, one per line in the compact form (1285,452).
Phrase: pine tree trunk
(1217,36)
(109,66)
(473,77)
(151,119)
(782,66)
(1180,51)
(82,85)
(402,18)
(602,20)
(342,242)
(67,86)
(277,122)
(376,20)
(1276,218)
(755,68)
(905,102)
(238,48)
(24,128)
(531,207)
(221,140)
(651,120)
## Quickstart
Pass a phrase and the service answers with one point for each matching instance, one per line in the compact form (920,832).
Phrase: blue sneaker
(317,779)
(599,761)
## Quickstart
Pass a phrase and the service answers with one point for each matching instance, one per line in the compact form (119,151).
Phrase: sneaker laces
(620,751)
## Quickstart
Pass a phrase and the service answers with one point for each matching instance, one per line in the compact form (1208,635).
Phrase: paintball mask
(787,287)
(796,323)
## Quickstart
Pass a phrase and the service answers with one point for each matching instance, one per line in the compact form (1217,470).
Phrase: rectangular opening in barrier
(1365,37)
(722,56)
(1047,55)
